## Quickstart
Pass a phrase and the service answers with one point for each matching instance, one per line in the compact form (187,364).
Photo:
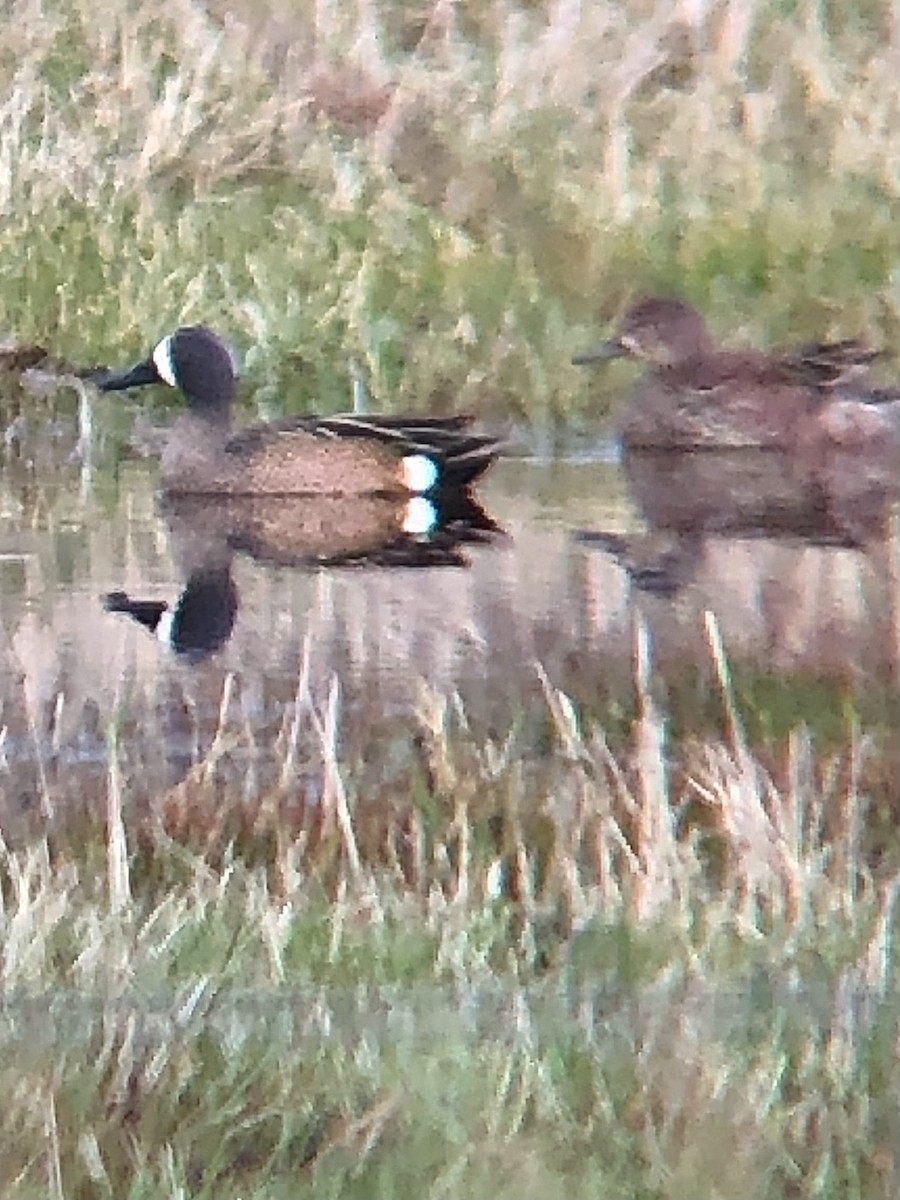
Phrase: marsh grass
(446,200)
(520,968)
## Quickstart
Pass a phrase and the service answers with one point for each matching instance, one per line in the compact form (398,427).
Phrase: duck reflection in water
(684,500)
(200,622)
(304,532)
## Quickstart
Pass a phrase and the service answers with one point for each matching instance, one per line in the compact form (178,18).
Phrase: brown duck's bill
(117,381)
(602,353)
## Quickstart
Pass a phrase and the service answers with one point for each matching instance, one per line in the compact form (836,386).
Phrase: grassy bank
(523,968)
(444,200)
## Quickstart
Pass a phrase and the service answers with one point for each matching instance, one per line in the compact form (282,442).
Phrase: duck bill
(605,352)
(117,381)
(145,612)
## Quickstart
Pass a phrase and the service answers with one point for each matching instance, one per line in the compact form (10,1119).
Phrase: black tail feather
(468,459)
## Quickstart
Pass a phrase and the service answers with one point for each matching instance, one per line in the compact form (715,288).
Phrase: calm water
(802,589)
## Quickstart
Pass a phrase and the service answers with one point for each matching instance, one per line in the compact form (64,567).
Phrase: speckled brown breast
(199,459)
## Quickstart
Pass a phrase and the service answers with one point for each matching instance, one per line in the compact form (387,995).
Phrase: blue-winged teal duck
(342,455)
(697,395)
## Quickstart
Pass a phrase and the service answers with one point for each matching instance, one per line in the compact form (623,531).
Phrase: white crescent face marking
(162,360)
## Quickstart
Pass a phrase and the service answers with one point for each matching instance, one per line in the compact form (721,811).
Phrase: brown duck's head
(656,330)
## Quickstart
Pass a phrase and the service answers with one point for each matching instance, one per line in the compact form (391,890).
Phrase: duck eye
(162,360)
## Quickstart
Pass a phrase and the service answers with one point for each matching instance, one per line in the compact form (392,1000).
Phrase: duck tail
(460,514)
(466,459)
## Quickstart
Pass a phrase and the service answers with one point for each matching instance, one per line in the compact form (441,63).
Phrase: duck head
(657,330)
(200,622)
(193,359)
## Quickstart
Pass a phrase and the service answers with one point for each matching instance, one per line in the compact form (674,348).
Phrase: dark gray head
(193,359)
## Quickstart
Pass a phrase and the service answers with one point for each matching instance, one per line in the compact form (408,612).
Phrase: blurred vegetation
(447,198)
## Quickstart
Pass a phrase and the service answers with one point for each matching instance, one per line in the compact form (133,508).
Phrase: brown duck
(698,395)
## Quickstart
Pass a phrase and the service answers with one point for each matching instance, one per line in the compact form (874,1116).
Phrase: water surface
(804,592)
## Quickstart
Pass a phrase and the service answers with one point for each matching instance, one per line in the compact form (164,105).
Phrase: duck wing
(462,454)
(830,364)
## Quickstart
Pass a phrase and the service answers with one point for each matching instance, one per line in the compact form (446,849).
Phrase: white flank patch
(164,627)
(420,473)
(162,360)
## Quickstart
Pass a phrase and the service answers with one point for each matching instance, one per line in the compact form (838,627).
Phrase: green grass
(448,210)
